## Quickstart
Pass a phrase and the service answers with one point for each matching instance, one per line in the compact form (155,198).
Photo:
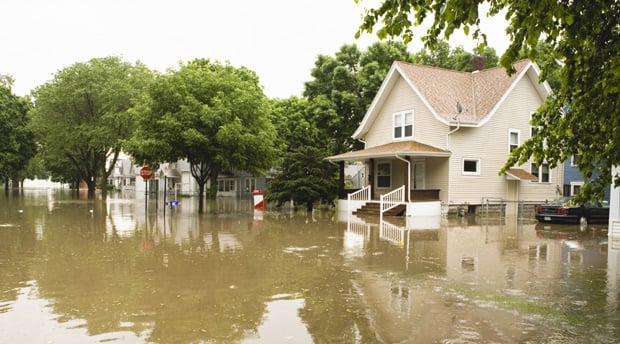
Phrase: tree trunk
(92,186)
(201,197)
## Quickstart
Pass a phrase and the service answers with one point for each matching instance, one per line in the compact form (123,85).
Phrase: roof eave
(388,155)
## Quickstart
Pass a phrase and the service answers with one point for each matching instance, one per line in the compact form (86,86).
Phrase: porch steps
(373,208)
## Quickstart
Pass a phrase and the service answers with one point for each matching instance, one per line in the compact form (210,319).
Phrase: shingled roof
(478,92)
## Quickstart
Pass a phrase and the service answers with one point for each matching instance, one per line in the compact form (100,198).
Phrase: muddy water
(127,270)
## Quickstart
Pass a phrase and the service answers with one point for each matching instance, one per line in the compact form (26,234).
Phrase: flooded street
(126,270)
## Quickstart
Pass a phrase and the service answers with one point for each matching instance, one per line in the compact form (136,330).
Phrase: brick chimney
(477,63)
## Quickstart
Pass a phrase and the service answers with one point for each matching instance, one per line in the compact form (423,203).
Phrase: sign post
(146,173)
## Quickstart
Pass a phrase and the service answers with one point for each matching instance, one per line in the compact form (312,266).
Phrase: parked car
(564,210)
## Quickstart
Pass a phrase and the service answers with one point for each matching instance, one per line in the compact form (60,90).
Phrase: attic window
(403,124)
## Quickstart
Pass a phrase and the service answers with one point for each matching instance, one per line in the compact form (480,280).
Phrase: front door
(418,174)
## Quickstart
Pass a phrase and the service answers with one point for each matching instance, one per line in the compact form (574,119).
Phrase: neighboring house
(239,184)
(573,179)
(436,139)
(176,178)
(123,176)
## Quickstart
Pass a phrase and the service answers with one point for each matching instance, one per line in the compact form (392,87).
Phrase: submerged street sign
(146,172)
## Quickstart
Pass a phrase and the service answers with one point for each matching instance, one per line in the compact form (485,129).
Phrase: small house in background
(573,178)
(239,184)
(177,180)
(436,139)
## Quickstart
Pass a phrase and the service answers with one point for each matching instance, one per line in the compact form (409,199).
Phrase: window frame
(538,172)
(378,175)
(403,126)
(510,144)
(250,184)
(227,185)
(471,173)
(575,184)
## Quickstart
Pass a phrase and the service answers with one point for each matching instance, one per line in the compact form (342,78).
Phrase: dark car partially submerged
(564,210)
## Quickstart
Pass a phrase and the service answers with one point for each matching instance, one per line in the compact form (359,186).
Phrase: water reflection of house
(489,254)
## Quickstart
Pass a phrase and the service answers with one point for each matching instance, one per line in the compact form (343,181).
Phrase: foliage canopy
(303,176)
(211,114)
(17,145)
(82,117)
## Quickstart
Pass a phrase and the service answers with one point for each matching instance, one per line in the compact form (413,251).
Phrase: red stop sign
(146,172)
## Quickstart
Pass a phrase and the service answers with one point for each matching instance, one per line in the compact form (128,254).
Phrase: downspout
(408,192)
(458,126)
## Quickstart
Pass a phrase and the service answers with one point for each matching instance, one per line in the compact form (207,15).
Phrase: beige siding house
(435,140)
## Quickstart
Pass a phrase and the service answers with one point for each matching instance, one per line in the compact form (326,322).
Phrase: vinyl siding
(437,176)
(490,144)
(427,129)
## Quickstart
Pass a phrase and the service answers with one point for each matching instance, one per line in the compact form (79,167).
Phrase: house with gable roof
(436,139)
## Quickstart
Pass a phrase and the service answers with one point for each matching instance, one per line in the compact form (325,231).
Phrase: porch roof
(403,148)
(519,174)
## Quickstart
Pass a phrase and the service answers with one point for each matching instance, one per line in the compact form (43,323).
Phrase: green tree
(303,176)
(82,117)
(583,115)
(17,145)
(34,169)
(211,114)
(344,86)
(456,58)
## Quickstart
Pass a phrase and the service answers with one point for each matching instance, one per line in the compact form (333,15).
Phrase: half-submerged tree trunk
(201,172)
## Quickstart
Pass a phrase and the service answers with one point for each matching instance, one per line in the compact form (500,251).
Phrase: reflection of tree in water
(206,293)
(18,243)
(109,284)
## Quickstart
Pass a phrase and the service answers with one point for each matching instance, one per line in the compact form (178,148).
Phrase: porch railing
(392,199)
(362,194)
(392,233)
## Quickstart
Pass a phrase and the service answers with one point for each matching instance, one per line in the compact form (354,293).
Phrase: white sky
(278,39)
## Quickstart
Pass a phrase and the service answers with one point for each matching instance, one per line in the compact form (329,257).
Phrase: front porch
(394,203)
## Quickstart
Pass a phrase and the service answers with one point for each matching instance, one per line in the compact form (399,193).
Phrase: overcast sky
(278,39)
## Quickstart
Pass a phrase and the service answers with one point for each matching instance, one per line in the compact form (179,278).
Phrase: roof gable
(479,93)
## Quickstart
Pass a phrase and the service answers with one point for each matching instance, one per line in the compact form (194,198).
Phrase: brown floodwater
(128,270)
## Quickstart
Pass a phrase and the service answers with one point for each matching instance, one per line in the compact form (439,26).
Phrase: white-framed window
(514,139)
(575,188)
(250,184)
(574,160)
(471,166)
(541,172)
(384,174)
(226,185)
(403,124)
